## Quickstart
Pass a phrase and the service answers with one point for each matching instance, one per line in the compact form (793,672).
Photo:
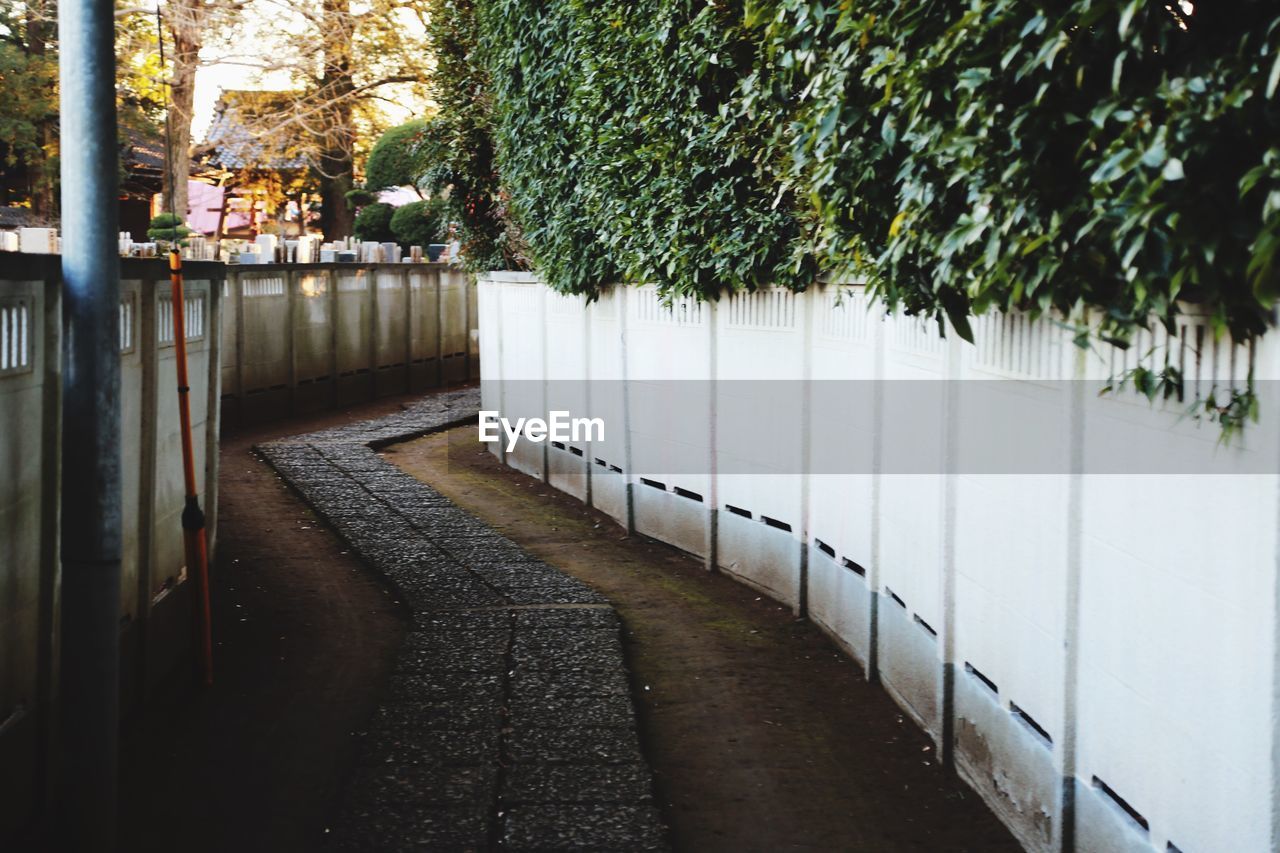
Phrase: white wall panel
(1118,629)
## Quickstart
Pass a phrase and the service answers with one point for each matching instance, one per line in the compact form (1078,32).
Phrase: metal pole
(91,497)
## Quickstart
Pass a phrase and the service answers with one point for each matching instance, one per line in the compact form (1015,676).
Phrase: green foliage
(418,223)
(627,154)
(358,198)
(373,223)
(391,162)
(28,91)
(462,168)
(29,95)
(168,228)
(27,86)
(1230,408)
(1113,155)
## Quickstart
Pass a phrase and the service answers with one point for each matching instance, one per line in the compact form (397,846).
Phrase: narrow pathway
(304,640)
(507,723)
(761,735)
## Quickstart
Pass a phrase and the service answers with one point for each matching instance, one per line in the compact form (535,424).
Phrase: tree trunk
(337,158)
(40,30)
(336,180)
(184,27)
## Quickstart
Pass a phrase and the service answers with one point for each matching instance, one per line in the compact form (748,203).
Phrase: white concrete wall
(1071,641)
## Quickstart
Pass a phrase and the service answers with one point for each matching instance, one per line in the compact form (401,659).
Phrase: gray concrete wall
(300,338)
(263,341)
(154,602)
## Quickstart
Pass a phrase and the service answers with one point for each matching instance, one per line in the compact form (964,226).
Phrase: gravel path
(507,723)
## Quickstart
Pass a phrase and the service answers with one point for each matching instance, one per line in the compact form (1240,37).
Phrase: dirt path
(762,736)
(304,638)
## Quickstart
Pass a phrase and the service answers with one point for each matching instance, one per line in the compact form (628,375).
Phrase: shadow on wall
(1049,623)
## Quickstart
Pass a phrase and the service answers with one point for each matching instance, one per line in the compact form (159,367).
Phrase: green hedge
(622,142)
(391,161)
(463,171)
(968,156)
(960,156)
(373,223)
(418,223)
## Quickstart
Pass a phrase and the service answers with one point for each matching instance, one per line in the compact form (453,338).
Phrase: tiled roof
(17,217)
(237,144)
(142,153)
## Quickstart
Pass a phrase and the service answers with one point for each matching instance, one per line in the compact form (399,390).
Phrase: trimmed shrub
(373,223)
(418,223)
(168,227)
(358,198)
(391,162)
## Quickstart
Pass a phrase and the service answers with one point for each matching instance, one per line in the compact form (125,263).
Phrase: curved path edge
(508,722)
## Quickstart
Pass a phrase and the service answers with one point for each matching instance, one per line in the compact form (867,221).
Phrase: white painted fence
(1095,652)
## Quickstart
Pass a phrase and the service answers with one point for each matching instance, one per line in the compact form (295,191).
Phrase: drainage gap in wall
(737,510)
(1170,847)
(602,463)
(685,493)
(854,567)
(1030,722)
(1134,814)
(825,548)
(654,483)
(615,469)
(558,445)
(576,451)
(925,625)
(973,670)
(774,523)
(895,597)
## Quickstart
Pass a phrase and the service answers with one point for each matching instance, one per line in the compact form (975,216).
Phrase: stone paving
(508,722)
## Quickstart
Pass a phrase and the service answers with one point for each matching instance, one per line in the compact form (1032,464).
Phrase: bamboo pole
(193,531)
